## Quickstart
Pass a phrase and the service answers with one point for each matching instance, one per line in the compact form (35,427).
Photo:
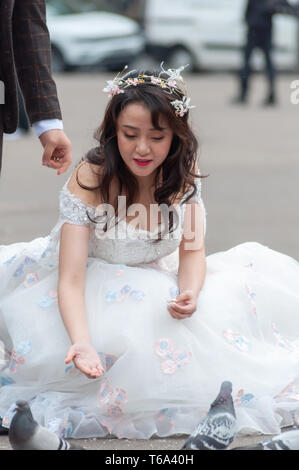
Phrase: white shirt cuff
(47,125)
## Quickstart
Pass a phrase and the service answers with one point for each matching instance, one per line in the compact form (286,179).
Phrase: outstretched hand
(86,359)
(57,150)
(183,306)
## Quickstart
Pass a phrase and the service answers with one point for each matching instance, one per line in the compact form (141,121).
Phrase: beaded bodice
(123,243)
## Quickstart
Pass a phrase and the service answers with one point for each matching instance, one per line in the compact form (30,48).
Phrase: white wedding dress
(161,374)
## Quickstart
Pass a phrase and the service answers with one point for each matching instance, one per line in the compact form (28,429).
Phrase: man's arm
(32,54)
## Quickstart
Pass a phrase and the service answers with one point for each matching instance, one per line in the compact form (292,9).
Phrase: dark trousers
(258,38)
(1,137)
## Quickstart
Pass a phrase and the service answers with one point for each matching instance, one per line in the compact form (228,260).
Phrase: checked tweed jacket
(25,55)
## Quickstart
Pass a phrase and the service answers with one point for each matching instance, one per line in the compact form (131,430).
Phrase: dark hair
(178,169)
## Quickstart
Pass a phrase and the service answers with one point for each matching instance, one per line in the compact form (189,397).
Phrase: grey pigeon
(288,440)
(26,434)
(217,430)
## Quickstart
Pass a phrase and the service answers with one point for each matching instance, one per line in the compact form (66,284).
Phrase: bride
(117,323)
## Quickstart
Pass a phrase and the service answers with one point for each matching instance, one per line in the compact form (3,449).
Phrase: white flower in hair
(132,81)
(155,80)
(169,84)
(182,106)
(113,88)
(174,74)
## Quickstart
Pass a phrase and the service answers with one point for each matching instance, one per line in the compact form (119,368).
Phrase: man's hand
(57,150)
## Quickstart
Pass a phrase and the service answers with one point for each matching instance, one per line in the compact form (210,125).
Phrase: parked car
(91,38)
(208,34)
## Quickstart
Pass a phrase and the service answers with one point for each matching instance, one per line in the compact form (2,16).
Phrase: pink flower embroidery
(289,391)
(280,341)
(169,367)
(182,357)
(250,266)
(164,347)
(105,393)
(243,398)
(251,296)
(30,280)
(119,272)
(107,360)
(239,342)
(17,355)
(120,396)
(111,397)
(114,410)
(165,419)
(173,359)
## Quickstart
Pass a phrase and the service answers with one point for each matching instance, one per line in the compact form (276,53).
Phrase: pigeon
(26,434)
(288,440)
(217,430)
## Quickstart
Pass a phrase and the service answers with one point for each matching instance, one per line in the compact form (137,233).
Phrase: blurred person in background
(25,57)
(258,16)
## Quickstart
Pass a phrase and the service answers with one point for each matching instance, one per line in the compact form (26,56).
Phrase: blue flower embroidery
(125,290)
(111,295)
(10,260)
(244,399)
(17,355)
(6,381)
(19,272)
(137,294)
(45,302)
(29,261)
(107,360)
(69,368)
(48,300)
(239,342)
(120,270)
(47,254)
(30,280)
(23,348)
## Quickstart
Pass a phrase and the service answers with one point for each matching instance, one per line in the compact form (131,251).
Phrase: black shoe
(3,431)
(239,100)
(270,100)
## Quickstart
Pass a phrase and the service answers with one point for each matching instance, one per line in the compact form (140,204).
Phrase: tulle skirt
(161,374)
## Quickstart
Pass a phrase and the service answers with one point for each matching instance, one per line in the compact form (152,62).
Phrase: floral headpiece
(172,84)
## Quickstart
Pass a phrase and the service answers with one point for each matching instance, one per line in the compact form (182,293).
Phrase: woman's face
(142,147)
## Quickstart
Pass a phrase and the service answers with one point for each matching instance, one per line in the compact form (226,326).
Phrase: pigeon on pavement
(288,440)
(26,434)
(217,430)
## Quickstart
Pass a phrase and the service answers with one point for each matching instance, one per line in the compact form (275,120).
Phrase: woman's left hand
(184,305)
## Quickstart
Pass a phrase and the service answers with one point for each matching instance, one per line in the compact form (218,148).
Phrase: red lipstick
(142,162)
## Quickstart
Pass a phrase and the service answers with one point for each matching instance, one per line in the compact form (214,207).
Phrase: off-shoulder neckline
(128,224)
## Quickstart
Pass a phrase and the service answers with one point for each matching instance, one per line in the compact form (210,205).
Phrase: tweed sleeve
(32,53)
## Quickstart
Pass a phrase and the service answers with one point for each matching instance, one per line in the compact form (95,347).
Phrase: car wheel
(58,63)
(181,56)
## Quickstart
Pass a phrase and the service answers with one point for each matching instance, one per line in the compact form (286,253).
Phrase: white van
(209,34)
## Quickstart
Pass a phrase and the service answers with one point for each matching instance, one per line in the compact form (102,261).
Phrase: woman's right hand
(86,359)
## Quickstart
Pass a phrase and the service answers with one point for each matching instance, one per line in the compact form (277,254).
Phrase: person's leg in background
(245,71)
(270,69)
